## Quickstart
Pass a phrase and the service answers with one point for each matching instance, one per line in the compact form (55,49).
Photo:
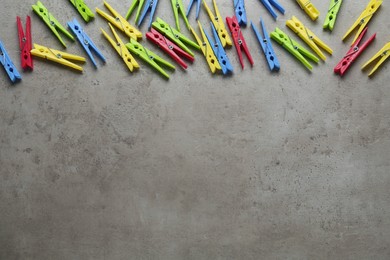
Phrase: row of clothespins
(177,45)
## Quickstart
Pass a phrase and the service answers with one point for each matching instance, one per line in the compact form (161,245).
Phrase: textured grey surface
(112,165)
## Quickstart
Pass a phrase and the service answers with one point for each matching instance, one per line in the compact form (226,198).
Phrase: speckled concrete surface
(112,165)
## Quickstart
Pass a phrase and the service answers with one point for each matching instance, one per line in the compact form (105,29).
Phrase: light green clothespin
(83,9)
(331,17)
(178,7)
(135,3)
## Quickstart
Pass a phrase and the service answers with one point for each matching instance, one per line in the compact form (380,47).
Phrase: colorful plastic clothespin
(309,9)
(219,51)
(198,2)
(57,56)
(309,37)
(119,22)
(121,49)
(353,53)
(51,22)
(175,36)
(239,40)
(239,7)
(383,54)
(294,48)
(364,18)
(218,24)
(150,6)
(266,45)
(169,47)
(83,9)
(25,43)
(269,3)
(331,17)
(8,65)
(134,4)
(207,50)
(149,57)
(178,8)
(85,41)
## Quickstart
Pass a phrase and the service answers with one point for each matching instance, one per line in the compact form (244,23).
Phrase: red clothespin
(353,53)
(169,47)
(238,39)
(25,43)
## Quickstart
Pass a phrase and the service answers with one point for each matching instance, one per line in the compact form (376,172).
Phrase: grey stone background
(112,165)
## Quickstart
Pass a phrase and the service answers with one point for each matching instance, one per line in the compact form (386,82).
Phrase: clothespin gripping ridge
(331,17)
(25,43)
(198,2)
(8,65)
(309,8)
(381,55)
(178,8)
(218,24)
(268,5)
(83,9)
(239,7)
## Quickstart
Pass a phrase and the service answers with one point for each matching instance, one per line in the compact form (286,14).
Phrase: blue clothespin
(265,42)
(219,51)
(150,5)
(198,2)
(269,3)
(239,7)
(8,65)
(85,41)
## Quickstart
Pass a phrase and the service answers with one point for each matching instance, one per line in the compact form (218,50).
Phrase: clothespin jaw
(85,41)
(266,46)
(121,49)
(268,5)
(83,9)
(239,8)
(294,48)
(178,8)
(309,9)
(8,65)
(218,24)
(134,4)
(363,19)
(119,22)
(239,40)
(331,17)
(198,2)
(207,50)
(25,43)
(381,56)
(57,56)
(354,52)
(151,5)
(51,22)
(309,37)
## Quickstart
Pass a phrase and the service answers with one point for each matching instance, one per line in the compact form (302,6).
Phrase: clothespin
(269,3)
(364,18)
(175,36)
(309,8)
(119,22)
(8,65)
(57,56)
(207,49)
(51,22)
(85,41)
(178,8)
(218,24)
(383,54)
(331,17)
(83,9)
(353,53)
(169,47)
(239,7)
(239,40)
(266,45)
(198,2)
(149,57)
(134,4)
(121,49)
(309,37)
(219,52)
(25,43)
(151,6)
(294,48)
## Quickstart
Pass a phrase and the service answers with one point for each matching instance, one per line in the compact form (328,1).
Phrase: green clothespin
(148,56)
(83,9)
(294,48)
(178,8)
(175,36)
(330,19)
(140,3)
(51,22)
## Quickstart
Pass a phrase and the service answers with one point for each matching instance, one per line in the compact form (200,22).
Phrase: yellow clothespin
(309,8)
(218,24)
(364,18)
(383,54)
(119,22)
(121,49)
(57,56)
(309,37)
